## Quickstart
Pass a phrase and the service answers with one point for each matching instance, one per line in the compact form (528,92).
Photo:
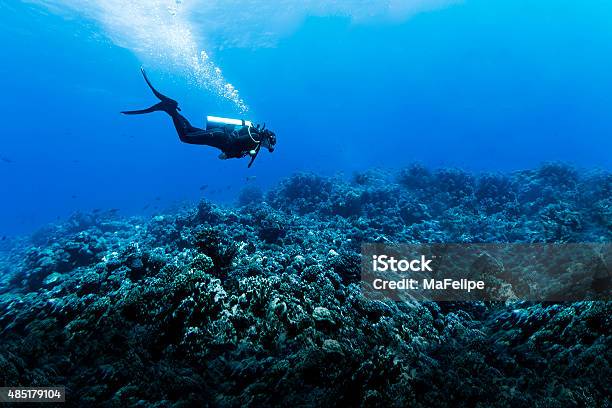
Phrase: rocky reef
(258,304)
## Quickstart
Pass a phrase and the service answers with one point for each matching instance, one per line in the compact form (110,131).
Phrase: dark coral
(260,305)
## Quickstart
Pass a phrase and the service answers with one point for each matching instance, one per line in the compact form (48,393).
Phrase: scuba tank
(217,123)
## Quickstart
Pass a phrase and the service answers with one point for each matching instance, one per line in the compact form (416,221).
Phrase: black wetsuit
(234,143)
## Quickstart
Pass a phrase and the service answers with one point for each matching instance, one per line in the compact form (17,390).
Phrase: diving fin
(167,104)
(159,95)
(157,107)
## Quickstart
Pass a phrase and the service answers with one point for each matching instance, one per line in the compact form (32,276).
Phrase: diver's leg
(193,135)
(186,132)
(183,127)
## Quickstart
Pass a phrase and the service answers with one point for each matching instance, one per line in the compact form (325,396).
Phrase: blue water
(477,84)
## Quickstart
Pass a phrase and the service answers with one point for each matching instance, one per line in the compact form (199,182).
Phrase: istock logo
(385,263)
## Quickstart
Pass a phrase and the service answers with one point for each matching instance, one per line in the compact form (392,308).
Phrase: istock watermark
(384,263)
(487,272)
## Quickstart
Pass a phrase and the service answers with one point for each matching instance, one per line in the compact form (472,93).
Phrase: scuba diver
(235,138)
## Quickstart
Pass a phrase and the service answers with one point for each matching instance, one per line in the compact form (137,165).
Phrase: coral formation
(258,305)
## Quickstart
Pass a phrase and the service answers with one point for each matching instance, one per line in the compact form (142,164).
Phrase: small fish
(6,160)
(4,238)
(73,196)
(113,211)
(228,187)
(203,187)
(157,198)
(96,210)
(145,207)
(250,178)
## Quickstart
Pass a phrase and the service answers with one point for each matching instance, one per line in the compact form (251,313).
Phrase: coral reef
(258,305)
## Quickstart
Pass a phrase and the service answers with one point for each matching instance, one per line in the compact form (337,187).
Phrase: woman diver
(234,137)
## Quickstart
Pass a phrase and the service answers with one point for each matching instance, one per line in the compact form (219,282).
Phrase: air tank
(215,122)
